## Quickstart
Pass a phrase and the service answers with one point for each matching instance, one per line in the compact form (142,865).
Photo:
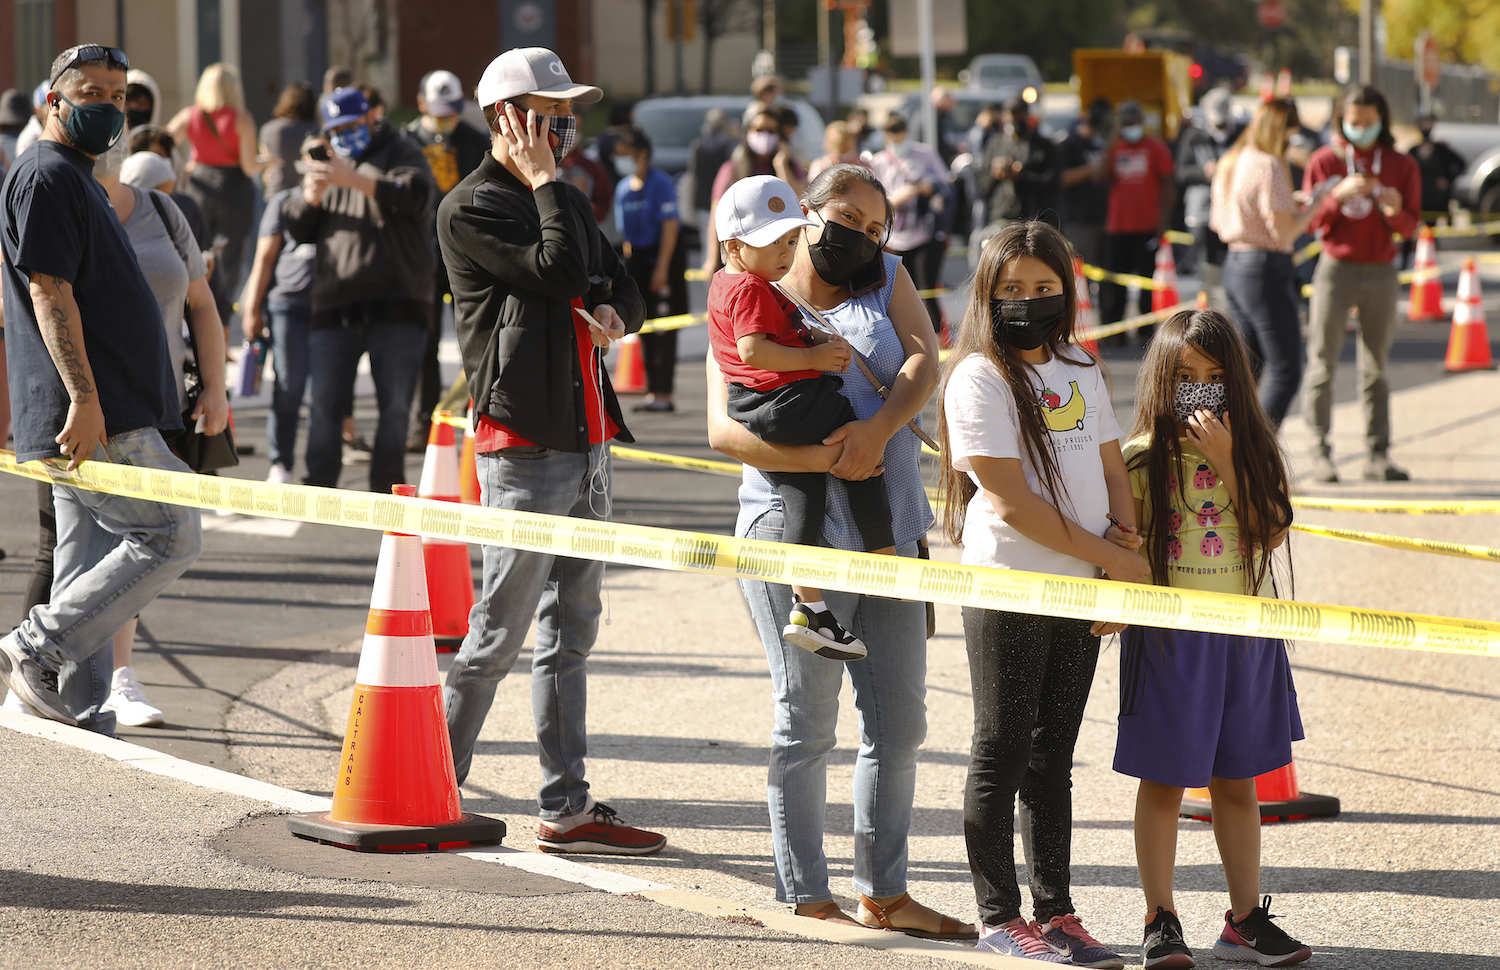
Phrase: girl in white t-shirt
(1036,474)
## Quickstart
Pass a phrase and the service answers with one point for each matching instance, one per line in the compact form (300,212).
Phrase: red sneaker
(602,836)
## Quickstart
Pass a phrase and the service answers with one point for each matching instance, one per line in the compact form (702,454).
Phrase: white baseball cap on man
(530,70)
(443,94)
(758,211)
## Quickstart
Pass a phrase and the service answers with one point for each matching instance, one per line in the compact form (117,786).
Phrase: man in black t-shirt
(90,377)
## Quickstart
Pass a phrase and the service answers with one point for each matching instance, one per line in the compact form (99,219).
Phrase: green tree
(1466,31)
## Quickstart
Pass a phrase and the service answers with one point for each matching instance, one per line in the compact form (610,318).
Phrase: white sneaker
(13,702)
(128,701)
(280,475)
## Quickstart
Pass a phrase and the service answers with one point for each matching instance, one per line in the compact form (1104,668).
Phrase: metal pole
(120,24)
(929,71)
(1366,41)
(825,58)
(768,39)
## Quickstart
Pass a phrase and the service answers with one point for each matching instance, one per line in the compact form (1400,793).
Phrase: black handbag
(201,452)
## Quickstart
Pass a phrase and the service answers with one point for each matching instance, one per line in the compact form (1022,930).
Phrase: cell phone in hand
(318,153)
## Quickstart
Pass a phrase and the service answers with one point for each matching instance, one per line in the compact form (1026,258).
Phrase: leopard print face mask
(1193,397)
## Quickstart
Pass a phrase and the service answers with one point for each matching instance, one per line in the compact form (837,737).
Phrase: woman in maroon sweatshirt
(1378,195)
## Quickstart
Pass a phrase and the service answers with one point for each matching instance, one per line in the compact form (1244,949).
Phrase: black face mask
(134,118)
(841,253)
(1027,324)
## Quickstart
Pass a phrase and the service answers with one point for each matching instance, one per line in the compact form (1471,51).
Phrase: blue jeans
(395,351)
(289,348)
(114,556)
(890,693)
(1261,287)
(561,592)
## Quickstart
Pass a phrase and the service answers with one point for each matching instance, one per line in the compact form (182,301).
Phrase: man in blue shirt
(90,379)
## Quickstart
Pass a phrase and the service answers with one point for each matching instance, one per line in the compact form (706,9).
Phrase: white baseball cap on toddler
(758,211)
(530,70)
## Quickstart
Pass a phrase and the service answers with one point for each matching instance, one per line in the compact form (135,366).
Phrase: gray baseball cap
(530,70)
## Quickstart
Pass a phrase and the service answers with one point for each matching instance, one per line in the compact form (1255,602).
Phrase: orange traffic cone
(1280,799)
(945,336)
(1426,302)
(450,578)
(1469,341)
(468,473)
(1165,295)
(1284,83)
(396,789)
(1087,319)
(630,369)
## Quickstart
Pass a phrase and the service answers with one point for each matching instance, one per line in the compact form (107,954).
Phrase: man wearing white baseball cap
(538,296)
(453,149)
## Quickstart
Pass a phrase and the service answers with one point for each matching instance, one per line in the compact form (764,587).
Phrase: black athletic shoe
(1255,939)
(1164,946)
(822,634)
(33,684)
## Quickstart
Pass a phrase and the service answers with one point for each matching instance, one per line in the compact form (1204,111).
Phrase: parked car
(672,123)
(1479,187)
(1006,74)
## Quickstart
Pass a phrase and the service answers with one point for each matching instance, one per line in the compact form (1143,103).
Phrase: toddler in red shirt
(779,389)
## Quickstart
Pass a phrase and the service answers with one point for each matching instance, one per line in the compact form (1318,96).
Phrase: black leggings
(1031,677)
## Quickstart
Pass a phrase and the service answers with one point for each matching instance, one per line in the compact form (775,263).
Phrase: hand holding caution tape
(916,579)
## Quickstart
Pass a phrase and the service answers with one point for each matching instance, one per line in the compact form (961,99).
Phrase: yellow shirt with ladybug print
(1204,549)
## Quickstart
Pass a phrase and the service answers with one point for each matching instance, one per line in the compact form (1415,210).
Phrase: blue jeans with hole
(114,556)
(395,351)
(890,694)
(289,349)
(562,593)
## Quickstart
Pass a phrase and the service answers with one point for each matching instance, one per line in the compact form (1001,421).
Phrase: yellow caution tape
(732,469)
(695,276)
(1462,550)
(1124,279)
(663,324)
(915,579)
(1179,237)
(1389,506)
(452,420)
(1479,229)
(1307,252)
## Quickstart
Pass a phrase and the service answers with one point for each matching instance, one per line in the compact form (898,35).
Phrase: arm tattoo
(66,354)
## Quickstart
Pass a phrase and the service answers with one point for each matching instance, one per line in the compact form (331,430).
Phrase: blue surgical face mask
(1362,137)
(350,142)
(625,165)
(1132,133)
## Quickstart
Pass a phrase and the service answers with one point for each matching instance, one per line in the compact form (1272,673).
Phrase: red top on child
(743,303)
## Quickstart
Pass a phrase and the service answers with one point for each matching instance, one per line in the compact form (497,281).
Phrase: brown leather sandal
(949,928)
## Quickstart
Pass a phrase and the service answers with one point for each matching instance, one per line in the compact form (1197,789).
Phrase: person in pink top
(1254,213)
(221,172)
(1377,195)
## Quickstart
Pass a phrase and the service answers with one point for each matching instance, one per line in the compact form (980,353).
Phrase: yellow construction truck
(1159,79)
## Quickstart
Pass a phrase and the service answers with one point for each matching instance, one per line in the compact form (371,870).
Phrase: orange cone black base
(469,830)
(1280,799)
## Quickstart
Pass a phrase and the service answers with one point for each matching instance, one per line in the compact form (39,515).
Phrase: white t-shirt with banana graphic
(982,421)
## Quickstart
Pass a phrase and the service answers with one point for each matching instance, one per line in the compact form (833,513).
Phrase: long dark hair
(1259,467)
(1042,241)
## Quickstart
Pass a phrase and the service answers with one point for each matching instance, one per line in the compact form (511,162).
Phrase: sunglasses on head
(93,52)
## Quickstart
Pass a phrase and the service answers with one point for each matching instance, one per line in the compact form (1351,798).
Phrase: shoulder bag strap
(218,137)
(864,368)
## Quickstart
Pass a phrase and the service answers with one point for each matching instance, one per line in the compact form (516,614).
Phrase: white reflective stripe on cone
(400,576)
(397,662)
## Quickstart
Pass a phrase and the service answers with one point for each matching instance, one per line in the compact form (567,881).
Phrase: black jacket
(1029,194)
(516,260)
(377,252)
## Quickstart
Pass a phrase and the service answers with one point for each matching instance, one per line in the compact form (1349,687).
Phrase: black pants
(659,350)
(1126,252)
(227,197)
(925,266)
(430,378)
(1031,677)
(804,413)
(40,589)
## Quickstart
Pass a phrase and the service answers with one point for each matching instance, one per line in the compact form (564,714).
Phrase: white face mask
(625,165)
(762,142)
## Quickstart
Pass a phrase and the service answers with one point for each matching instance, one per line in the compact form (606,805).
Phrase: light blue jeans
(561,592)
(890,691)
(114,555)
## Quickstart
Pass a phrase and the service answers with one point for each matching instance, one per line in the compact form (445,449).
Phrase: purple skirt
(1195,706)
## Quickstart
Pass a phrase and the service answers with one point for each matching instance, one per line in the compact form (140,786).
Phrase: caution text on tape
(915,579)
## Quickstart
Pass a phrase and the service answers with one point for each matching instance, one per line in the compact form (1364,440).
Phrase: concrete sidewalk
(108,865)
